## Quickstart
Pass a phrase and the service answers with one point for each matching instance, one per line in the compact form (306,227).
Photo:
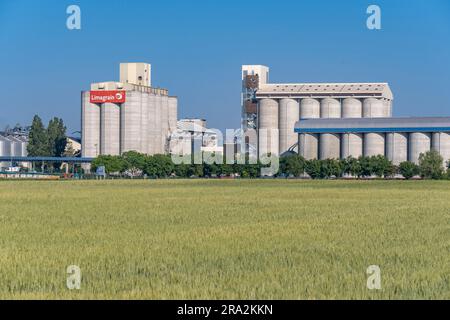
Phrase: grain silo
(289,113)
(419,142)
(127,116)
(268,137)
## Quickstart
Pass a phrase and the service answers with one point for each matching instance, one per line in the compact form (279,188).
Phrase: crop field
(225,239)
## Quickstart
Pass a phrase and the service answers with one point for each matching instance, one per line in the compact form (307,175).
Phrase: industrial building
(334,120)
(12,146)
(129,115)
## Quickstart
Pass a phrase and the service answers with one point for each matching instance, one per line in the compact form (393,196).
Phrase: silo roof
(365,125)
(326,89)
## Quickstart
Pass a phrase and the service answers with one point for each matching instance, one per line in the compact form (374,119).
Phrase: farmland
(224,239)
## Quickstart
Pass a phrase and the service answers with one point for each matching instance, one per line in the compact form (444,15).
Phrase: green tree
(112,164)
(159,166)
(431,165)
(352,166)
(313,168)
(38,141)
(408,169)
(292,165)
(56,137)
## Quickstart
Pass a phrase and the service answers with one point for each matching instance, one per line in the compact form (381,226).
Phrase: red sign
(108,96)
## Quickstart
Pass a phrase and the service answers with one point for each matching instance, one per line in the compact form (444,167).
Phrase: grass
(215,239)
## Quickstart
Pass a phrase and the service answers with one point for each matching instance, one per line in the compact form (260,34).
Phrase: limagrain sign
(108,96)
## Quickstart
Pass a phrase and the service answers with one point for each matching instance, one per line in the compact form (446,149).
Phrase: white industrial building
(12,146)
(316,119)
(129,115)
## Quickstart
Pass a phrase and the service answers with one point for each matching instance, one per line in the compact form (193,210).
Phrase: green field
(225,239)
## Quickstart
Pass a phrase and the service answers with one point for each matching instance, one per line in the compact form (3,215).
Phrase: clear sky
(197,47)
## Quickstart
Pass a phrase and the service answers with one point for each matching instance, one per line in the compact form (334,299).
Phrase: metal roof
(47,159)
(326,89)
(364,125)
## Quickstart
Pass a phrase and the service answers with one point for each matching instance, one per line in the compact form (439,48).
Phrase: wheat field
(225,239)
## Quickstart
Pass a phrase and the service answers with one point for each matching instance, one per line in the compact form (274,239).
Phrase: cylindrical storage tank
(387,108)
(330,108)
(309,108)
(351,108)
(351,145)
(158,125)
(145,133)
(419,142)
(374,144)
(152,130)
(441,143)
(373,108)
(130,118)
(289,113)
(90,127)
(164,123)
(329,146)
(173,113)
(268,136)
(308,145)
(397,147)
(110,129)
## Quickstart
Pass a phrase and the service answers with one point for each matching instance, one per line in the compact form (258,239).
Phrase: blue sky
(197,48)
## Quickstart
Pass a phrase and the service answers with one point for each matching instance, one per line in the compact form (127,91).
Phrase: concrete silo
(352,143)
(374,108)
(173,113)
(374,144)
(419,142)
(329,143)
(164,123)
(130,122)
(309,108)
(110,129)
(157,132)
(441,143)
(330,108)
(289,114)
(145,134)
(268,137)
(309,145)
(351,108)
(397,147)
(90,126)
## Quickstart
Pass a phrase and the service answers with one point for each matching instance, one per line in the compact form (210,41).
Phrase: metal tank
(145,134)
(419,142)
(330,108)
(351,108)
(90,127)
(289,113)
(374,144)
(329,146)
(373,108)
(130,122)
(5,150)
(351,145)
(110,129)
(441,143)
(309,108)
(397,147)
(268,136)
(308,145)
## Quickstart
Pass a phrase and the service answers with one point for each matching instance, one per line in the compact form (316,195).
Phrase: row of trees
(134,164)
(430,167)
(50,141)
